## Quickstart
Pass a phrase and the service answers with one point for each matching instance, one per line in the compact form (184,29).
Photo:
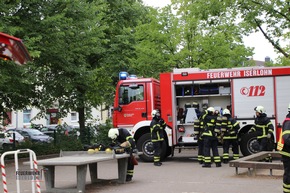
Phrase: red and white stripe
(4,178)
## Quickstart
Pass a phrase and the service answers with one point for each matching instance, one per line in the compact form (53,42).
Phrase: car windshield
(35,132)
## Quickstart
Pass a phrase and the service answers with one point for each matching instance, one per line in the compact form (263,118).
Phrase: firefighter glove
(125,144)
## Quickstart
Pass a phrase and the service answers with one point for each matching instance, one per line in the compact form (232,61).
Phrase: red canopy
(12,48)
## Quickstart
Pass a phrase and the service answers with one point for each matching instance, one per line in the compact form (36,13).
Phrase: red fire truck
(12,48)
(180,95)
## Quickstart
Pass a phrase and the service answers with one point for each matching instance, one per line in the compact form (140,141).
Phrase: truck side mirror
(119,108)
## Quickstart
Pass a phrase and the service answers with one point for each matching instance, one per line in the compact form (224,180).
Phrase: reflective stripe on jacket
(157,130)
(286,136)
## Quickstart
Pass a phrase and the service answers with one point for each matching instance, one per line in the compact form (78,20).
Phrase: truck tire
(145,145)
(249,144)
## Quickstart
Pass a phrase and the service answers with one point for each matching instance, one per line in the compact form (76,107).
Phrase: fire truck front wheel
(145,145)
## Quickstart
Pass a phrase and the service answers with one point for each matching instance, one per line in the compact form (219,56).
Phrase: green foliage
(102,133)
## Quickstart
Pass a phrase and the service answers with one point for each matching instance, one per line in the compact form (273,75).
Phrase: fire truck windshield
(129,94)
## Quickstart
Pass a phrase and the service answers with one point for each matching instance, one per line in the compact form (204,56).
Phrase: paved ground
(180,174)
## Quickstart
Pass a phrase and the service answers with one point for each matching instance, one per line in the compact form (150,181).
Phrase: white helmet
(210,109)
(289,107)
(155,113)
(113,133)
(260,109)
(226,112)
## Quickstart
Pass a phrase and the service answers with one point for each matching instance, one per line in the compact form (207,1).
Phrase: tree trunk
(81,111)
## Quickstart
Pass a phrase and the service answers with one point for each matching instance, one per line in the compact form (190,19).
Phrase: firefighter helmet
(195,105)
(289,107)
(260,109)
(113,133)
(210,109)
(155,113)
(204,106)
(226,112)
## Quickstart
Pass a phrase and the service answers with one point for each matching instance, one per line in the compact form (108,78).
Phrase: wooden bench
(255,162)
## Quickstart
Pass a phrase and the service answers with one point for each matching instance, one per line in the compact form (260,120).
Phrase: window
(26,116)
(74,116)
(128,94)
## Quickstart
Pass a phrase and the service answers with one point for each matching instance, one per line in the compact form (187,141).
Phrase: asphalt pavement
(179,174)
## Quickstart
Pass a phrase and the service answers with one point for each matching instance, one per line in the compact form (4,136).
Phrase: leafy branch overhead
(79,46)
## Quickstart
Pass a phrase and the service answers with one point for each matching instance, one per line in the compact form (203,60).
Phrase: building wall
(18,118)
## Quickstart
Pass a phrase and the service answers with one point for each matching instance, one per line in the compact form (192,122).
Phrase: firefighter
(157,127)
(210,139)
(284,143)
(229,129)
(198,130)
(264,128)
(125,139)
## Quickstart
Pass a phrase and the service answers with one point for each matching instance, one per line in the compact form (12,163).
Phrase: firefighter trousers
(130,168)
(157,145)
(286,176)
(227,143)
(200,144)
(211,143)
(263,145)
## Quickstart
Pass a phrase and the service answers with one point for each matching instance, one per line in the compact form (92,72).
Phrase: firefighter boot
(225,161)
(218,164)
(157,163)
(128,178)
(206,165)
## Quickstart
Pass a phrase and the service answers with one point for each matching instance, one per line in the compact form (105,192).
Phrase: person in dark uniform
(198,130)
(263,126)
(229,130)
(210,134)
(284,144)
(125,140)
(157,127)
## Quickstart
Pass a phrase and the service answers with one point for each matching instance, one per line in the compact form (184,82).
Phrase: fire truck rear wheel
(249,144)
(145,145)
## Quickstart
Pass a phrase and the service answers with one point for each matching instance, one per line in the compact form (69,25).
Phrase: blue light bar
(123,75)
(133,76)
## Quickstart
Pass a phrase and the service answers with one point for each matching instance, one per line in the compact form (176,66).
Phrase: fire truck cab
(183,94)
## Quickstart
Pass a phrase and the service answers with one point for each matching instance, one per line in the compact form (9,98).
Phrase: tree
(63,37)
(270,17)
(189,33)
(158,40)
(17,88)
(77,46)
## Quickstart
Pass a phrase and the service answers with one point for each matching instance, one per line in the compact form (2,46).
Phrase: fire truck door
(133,105)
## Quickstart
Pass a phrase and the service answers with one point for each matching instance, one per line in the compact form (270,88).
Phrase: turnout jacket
(263,126)
(124,135)
(199,125)
(210,128)
(157,127)
(230,127)
(286,136)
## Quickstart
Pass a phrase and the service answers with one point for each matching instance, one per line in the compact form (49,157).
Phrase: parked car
(6,142)
(18,137)
(63,129)
(34,135)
